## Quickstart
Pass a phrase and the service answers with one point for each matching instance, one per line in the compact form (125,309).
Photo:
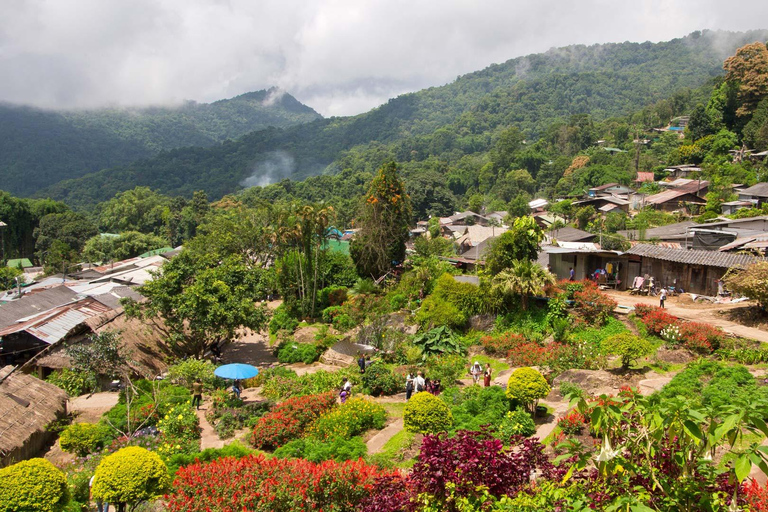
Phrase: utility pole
(3,225)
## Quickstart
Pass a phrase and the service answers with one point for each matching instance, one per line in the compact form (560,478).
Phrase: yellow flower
(181,417)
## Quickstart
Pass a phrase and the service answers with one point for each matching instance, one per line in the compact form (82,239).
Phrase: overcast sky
(340,57)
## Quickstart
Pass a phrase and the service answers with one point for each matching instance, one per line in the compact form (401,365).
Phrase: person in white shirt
(419,384)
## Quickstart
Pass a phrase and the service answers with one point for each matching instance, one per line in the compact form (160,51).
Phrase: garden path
(708,313)
(560,408)
(89,408)
(208,436)
(250,348)
(377,442)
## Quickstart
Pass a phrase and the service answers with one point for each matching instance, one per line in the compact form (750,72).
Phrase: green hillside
(460,119)
(40,147)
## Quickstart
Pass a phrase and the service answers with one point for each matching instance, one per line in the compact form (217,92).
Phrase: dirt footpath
(708,313)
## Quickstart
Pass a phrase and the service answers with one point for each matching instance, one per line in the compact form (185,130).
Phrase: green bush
(180,422)
(439,340)
(130,475)
(426,414)
(83,438)
(572,390)
(332,312)
(73,382)
(446,368)
(475,406)
(438,312)
(397,301)
(338,449)
(332,296)
(466,297)
(290,352)
(282,321)
(33,485)
(378,380)
(526,386)
(189,370)
(349,419)
(343,322)
(516,423)
(628,346)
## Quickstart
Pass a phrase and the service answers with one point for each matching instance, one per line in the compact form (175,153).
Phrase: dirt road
(709,313)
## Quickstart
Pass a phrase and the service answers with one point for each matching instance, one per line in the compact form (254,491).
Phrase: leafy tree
(202,300)
(433,246)
(384,220)
(139,209)
(100,354)
(70,228)
(751,282)
(523,278)
(527,386)
(584,215)
(748,69)
(8,277)
(521,242)
(629,347)
(127,245)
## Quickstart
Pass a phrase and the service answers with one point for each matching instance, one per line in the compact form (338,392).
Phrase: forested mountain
(41,147)
(445,124)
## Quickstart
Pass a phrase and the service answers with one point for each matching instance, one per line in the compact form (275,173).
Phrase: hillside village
(567,323)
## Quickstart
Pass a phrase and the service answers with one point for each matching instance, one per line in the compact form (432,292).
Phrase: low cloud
(277,166)
(340,57)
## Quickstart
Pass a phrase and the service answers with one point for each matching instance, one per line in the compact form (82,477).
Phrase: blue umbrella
(236,371)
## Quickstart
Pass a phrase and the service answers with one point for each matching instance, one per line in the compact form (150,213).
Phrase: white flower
(606,453)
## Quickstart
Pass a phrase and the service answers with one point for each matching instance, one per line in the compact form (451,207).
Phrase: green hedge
(84,438)
(290,352)
(338,449)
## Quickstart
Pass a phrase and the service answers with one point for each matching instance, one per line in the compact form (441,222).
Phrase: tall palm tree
(523,278)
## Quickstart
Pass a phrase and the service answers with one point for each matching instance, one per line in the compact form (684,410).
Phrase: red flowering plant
(755,495)
(259,484)
(700,337)
(657,320)
(531,354)
(501,344)
(593,305)
(290,419)
(572,423)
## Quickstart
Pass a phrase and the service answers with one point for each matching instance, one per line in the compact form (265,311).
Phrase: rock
(482,322)
(344,353)
(677,355)
(502,377)
(305,334)
(399,322)
(595,382)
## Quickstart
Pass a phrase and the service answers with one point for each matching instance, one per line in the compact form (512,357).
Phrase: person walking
(476,371)
(571,274)
(487,375)
(197,393)
(662,297)
(361,363)
(419,384)
(408,386)
(236,389)
(346,389)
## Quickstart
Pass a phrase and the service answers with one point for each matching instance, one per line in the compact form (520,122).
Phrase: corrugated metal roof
(54,324)
(671,195)
(693,257)
(759,190)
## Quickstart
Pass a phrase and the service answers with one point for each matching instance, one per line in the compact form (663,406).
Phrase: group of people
(420,383)
(477,371)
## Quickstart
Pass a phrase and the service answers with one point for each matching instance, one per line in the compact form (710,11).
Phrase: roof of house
(478,252)
(464,215)
(759,190)
(29,405)
(34,303)
(676,230)
(607,185)
(477,234)
(676,194)
(56,323)
(610,199)
(24,262)
(693,257)
(643,177)
(569,234)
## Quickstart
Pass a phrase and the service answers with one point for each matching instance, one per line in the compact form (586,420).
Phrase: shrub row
(290,419)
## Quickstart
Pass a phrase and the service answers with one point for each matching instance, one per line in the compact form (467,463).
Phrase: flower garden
(530,441)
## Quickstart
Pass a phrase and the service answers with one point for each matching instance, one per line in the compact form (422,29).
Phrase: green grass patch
(496,365)
(551,437)
(394,409)
(391,454)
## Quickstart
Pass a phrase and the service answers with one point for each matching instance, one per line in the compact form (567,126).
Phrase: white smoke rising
(277,166)
(275,94)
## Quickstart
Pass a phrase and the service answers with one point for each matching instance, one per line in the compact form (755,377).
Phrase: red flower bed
(257,483)
(700,337)
(657,320)
(288,420)
(501,344)
(531,354)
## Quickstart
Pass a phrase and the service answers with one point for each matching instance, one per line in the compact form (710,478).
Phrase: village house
(756,195)
(465,218)
(604,204)
(609,189)
(29,405)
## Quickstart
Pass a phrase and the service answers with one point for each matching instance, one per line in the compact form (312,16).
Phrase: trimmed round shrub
(426,414)
(527,386)
(297,353)
(380,381)
(130,475)
(349,419)
(628,346)
(516,423)
(33,485)
(83,438)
